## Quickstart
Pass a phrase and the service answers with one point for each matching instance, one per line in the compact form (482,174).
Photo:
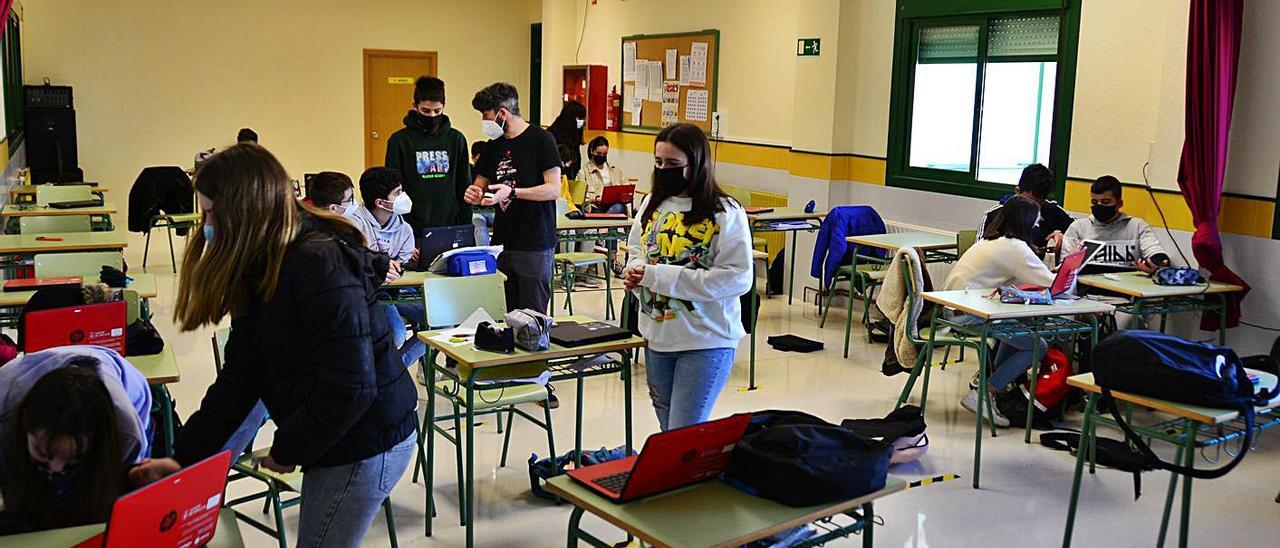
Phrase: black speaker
(51,139)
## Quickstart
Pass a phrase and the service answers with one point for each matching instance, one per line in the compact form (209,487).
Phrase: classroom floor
(1024,491)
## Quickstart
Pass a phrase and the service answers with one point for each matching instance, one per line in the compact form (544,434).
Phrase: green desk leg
(469,511)
(1222,319)
(429,430)
(755,300)
(868,517)
(1189,455)
(984,397)
(574,520)
(1136,321)
(1035,375)
(854,279)
(1086,438)
(577,436)
(791,278)
(626,395)
(1168,499)
(162,395)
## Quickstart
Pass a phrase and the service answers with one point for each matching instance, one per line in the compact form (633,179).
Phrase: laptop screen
(179,510)
(433,242)
(95,324)
(1067,273)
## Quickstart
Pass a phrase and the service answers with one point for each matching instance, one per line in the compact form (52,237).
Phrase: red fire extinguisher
(614,111)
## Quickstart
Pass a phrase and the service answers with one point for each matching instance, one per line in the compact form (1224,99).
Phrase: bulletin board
(686,94)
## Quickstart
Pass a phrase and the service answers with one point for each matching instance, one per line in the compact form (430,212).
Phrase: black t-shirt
(1052,219)
(525,225)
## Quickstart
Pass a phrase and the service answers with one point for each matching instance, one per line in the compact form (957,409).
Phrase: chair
(276,484)
(87,265)
(54,224)
(170,223)
(924,360)
(449,301)
(965,240)
(578,191)
(174,191)
(133,307)
(62,193)
(567,269)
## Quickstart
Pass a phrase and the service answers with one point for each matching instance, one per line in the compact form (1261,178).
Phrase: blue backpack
(472,263)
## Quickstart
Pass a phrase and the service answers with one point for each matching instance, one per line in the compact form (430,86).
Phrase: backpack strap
(1132,437)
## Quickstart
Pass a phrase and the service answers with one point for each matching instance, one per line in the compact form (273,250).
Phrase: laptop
(604,216)
(617,194)
(669,460)
(757,210)
(32,284)
(573,335)
(1066,278)
(99,324)
(433,242)
(178,511)
(76,204)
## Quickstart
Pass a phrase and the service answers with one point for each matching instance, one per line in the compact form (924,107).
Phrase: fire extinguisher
(614,111)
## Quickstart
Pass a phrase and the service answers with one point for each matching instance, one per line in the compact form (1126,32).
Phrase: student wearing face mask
(332,192)
(599,174)
(1128,242)
(73,421)
(567,130)
(431,157)
(690,250)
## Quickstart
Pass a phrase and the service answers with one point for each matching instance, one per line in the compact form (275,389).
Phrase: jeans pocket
(393,463)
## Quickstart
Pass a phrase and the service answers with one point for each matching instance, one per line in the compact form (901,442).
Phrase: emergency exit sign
(808,46)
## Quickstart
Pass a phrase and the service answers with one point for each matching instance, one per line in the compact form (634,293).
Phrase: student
(428,153)
(1003,256)
(246,135)
(332,192)
(1036,183)
(306,338)
(73,420)
(386,232)
(521,167)
(481,217)
(567,130)
(600,173)
(690,250)
(1128,242)
(566,157)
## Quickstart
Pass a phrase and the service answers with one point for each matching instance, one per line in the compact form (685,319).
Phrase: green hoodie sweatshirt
(435,169)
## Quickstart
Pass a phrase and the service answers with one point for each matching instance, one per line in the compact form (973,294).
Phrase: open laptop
(178,511)
(99,324)
(572,334)
(433,242)
(617,194)
(1066,278)
(669,460)
(76,204)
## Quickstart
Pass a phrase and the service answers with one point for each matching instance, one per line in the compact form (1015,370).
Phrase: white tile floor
(1024,491)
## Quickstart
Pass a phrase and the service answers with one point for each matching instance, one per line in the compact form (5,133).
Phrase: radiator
(895,227)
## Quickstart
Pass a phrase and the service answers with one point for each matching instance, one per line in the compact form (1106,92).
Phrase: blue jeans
(684,385)
(340,502)
(483,221)
(1013,357)
(411,348)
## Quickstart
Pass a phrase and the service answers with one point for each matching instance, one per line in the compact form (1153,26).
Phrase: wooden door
(388,94)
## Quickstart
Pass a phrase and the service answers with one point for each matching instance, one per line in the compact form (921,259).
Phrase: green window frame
(915,15)
(14,113)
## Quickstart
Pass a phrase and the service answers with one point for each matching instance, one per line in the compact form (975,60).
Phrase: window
(978,97)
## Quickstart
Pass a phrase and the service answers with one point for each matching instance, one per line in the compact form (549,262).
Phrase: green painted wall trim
(937,8)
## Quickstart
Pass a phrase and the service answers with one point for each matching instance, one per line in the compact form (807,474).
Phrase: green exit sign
(808,46)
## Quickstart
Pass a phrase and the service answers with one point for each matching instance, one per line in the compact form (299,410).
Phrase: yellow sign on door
(399,80)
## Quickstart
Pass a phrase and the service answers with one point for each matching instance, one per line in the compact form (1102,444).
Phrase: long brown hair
(73,404)
(255,217)
(1016,219)
(706,193)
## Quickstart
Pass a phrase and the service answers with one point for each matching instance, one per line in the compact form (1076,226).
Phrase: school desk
(161,370)
(16,247)
(227,535)
(760,223)
(27,193)
(1065,319)
(474,365)
(1183,431)
(102,214)
(712,513)
(1146,298)
(11,302)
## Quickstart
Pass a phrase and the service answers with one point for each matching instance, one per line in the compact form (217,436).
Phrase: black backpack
(1157,365)
(801,460)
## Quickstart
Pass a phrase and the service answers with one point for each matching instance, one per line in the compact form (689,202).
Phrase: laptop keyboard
(614,482)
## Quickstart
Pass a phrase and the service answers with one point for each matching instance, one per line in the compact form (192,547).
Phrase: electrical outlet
(717,124)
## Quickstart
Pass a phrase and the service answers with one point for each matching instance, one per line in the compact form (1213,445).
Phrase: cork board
(695,100)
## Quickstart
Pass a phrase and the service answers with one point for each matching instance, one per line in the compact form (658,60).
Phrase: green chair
(133,307)
(965,240)
(54,224)
(924,360)
(578,191)
(170,223)
(572,265)
(449,301)
(276,484)
(87,265)
(63,193)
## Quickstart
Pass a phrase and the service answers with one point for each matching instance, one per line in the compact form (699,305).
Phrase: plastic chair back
(451,300)
(965,240)
(578,191)
(62,193)
(86,265)
(55,224)
(562,207)
(132,307)
(742,195)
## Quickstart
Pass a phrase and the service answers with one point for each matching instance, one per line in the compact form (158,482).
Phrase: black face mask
(429,123)
(600,159)
(1104,213)
(670,180)
(62,481)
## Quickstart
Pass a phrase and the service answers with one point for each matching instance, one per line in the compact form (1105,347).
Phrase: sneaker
(970,403)
(553,402)
(586,283)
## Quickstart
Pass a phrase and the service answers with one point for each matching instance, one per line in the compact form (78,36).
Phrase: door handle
(374,135)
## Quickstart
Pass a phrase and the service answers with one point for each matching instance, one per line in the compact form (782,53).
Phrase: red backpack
(1051,387)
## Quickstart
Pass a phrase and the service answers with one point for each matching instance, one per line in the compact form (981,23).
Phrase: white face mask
(350,209)
(402,205)
(491,128)
(579,122)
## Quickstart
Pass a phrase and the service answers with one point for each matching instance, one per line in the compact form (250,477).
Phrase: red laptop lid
(676,458)
(32,284)
(95,324)
(178,511)
(618,194)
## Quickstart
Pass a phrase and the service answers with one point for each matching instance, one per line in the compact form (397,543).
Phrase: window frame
(914,15)
(12,80)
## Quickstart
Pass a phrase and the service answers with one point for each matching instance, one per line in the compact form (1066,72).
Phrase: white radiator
(895,227)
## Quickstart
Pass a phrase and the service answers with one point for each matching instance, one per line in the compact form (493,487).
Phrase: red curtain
(1213,53)
(5,6)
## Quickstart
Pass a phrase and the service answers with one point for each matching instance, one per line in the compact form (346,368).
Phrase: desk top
(785,214)
(159,368)
(1204,415)
(466,354)
(227,535)
(1139,285)
(706,514)
(975,302)
(31,189)
(144,284)
(31,210)
(412,279)
(924,241)
(565,223)
(67,241)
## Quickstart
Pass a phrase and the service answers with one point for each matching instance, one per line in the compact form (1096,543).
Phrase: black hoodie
(436,171)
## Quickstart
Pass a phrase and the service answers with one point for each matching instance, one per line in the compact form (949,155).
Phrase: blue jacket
(831,250)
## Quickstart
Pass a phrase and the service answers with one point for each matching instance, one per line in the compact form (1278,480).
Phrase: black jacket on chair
(320,357)
(159,189)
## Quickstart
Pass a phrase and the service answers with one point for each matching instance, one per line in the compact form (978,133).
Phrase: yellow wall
(157,80)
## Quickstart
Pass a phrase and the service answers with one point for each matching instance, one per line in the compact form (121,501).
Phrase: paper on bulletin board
(635,113)
(670,102)
(684,70)
(655,80)
(629,61)
(642,80)
(671,64)
(698,64)
(695,105)
(628,95)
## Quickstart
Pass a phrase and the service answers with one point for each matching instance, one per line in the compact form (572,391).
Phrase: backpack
(903,428)
(1157,365)
(1110,453)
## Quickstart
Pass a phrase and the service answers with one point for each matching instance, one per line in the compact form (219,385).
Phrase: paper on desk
(466,330)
